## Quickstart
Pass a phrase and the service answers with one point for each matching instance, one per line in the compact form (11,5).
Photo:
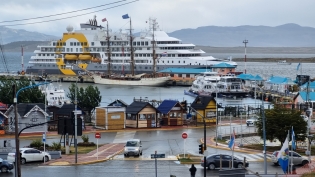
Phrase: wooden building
(110,117)
(141,115)
(205,108)
(28,114)
(172,113)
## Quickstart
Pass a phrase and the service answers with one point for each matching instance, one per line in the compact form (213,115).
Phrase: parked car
(30,155)
(297,158)
(251,121)
(5,166)
(133,147)
(213,161)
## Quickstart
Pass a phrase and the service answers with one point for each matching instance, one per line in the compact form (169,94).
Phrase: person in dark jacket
(192,170)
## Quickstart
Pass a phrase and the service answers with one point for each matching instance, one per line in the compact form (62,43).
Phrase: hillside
(288,35)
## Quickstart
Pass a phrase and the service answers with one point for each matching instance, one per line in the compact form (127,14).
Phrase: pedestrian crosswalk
(122,137)
(253,157)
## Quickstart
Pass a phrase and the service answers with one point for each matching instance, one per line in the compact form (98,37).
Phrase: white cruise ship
(87,49)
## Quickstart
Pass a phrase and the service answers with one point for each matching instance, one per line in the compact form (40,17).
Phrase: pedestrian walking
(192,170)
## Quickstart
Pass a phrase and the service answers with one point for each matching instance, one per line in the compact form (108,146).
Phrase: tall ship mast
(99,50)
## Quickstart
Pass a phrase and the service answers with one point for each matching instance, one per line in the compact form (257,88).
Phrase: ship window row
(176,48)
(125,67)
(78,43)
(45,54)
(163,61)
(115,43)
(45,65)
(167,42)
(45,49)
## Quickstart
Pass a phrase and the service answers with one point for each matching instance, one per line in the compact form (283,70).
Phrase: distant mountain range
(8,35)
(287,35)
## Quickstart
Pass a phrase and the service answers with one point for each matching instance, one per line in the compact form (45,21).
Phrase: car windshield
(132,143)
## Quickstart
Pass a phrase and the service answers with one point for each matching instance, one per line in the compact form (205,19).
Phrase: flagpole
(292,141)
(233,148)
(288,150)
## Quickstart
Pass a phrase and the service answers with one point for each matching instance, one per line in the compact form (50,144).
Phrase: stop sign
(184,135)
(97,135)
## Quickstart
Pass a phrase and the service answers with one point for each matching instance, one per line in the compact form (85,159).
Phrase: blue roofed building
(172,112)
(223,68)
(279,84)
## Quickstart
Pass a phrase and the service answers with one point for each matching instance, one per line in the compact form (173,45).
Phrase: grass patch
(312,174)
(222,141)
(81,149)
(185,160)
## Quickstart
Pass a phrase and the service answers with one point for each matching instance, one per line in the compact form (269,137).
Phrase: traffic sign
(77,112)
(157,156)
(44,137)
(97,135)
(184,135)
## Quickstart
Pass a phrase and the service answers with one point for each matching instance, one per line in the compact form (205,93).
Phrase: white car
(251,121)
(30,155)
(133,147)
(297,158)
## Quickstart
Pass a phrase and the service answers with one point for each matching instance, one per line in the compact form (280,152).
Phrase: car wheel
(141,153)
(304,162)
(46,159)
(247,125)
(211,166)
(23,161)
(4,169)
(240,165)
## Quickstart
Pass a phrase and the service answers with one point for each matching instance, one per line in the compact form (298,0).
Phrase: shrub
(85,138)
(56,146)
(37,143)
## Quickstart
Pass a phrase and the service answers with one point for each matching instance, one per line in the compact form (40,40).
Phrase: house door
(149,120)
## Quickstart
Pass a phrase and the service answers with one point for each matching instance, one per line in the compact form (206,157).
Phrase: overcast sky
(171,14)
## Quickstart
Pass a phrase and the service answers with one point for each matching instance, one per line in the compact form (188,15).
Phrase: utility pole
(17,142)
(245,42)
(76,123)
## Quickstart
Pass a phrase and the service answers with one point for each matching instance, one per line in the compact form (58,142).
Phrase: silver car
(297,158)
(133,147)
(251,121)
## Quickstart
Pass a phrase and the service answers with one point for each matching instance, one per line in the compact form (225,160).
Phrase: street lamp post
(310,138)
(17,141)
(204,139)
(264,133)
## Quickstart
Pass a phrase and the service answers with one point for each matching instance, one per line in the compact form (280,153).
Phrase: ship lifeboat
(85,57)
(71,57)
(96,60)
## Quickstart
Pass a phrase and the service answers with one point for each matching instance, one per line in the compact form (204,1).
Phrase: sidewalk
(104,153)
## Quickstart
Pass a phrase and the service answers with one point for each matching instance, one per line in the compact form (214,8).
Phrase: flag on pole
(298,66)
(232,141)
(125,16)
(104,20)
(293,139)
(283,156)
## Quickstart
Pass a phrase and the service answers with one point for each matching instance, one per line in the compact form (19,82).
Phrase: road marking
(122,137)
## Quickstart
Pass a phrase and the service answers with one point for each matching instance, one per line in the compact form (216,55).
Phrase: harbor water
(128,93)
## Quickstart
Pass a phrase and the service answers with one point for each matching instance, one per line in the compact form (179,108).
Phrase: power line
(71,16)
(62,13)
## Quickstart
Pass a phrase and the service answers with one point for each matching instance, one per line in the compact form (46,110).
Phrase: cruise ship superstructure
(87,49)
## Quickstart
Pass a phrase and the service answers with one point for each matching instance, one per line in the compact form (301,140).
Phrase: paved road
(123,168)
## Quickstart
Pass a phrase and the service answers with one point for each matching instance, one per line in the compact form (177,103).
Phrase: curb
(249,151)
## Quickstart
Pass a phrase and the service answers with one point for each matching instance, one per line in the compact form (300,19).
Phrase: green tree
(87,98)
(281,119)
(31,95)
